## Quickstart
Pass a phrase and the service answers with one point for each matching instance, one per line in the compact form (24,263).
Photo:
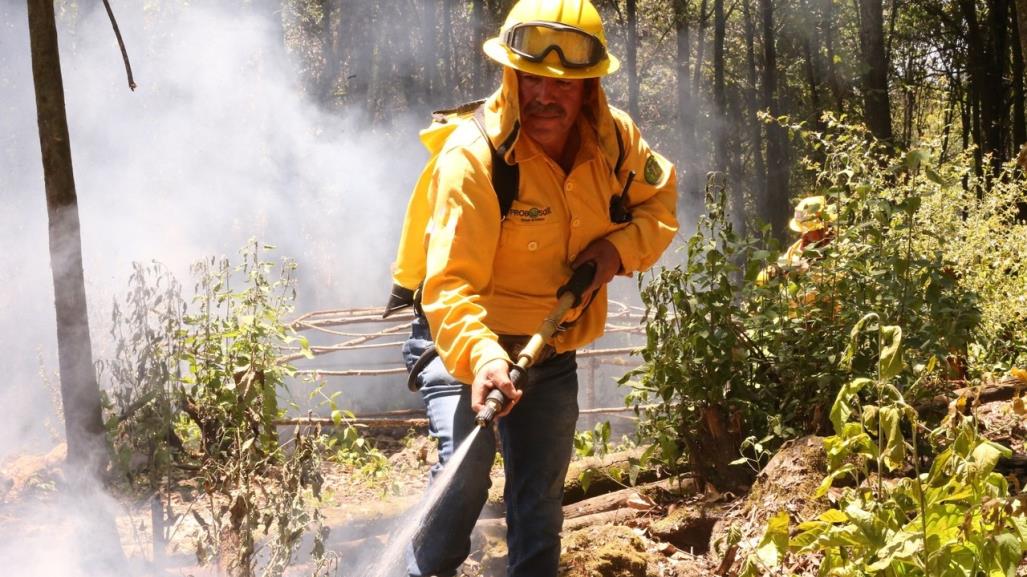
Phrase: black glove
(400,299)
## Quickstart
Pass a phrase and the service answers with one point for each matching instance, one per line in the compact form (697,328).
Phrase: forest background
(295,122)
(298,118)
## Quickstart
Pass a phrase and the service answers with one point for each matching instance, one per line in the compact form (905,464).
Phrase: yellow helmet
(812,213)
(554,38)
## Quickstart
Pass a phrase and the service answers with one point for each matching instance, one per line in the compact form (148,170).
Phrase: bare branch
(121,44)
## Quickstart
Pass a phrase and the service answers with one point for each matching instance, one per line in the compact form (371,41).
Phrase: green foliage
(976,229)
(707,345)
(346,444)
(230,348)
(229,353)
(141,374)
(596,443)
(766,350)
(957,519)
(197,390)
(593,443)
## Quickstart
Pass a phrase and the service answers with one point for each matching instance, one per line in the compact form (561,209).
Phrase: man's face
(549,108)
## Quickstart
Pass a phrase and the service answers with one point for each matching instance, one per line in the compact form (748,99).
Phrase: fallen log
(642,499)
(616,517)
(654,491)
(370,423)
(1001,390)
(599,475)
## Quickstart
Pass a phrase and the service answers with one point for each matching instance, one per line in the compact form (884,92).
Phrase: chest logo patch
(653,172)
(533,214)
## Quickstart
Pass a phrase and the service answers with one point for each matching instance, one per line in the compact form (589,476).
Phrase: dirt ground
(658,532)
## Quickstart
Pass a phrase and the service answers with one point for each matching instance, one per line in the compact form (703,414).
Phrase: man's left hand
(606,258)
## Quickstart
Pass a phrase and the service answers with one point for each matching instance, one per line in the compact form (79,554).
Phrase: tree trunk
(732,146)
(685,102)
(449,74)
(998,127)
(87,457)
(775,207)
(910,101)
(714,448)
(759,172)
(720,123)
(950,106)
(984,68)
(631,57)
(1021,24)
(1019,127)
(813,67)
(974,106)
(329,51)
(430,52)
(80,393)
(477,39)
(876,102)
(700,51)
(827,24)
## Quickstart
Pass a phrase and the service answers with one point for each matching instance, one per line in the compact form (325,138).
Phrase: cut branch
(121,44)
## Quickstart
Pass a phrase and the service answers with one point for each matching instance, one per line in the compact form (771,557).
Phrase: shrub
(732,359)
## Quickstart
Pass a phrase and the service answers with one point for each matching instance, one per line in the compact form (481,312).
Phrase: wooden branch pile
(363,329)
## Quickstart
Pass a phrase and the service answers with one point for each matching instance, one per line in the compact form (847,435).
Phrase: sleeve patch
(653,172)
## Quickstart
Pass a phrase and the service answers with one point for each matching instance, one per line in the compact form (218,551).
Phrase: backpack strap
(505,177)
(620,149)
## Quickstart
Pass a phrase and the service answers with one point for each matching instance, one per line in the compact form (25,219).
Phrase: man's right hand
(495,374)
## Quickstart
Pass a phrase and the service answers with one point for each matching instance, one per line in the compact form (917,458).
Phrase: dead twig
(121,44)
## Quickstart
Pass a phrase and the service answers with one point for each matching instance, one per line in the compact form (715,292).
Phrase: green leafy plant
(192,404)
(593,443)
(956,519)
(230,352)
(141,375)
(140,380)
(708,371)
(733,355)
(348,446)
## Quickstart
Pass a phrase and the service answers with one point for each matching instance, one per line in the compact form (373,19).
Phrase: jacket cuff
(629,260)
(484,352)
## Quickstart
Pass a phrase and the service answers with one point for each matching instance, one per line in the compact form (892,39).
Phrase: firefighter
(812,220)
(590,189)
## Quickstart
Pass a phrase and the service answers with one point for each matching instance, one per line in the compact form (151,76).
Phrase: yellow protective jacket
(409,267)
(486,277)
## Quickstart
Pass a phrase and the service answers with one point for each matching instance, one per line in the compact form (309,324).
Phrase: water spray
(569,296)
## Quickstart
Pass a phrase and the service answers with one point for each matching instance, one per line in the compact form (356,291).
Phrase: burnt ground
(659,529)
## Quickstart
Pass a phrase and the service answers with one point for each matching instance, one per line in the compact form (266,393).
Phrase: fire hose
(568,296)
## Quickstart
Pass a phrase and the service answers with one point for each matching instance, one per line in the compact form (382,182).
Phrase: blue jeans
(537,439)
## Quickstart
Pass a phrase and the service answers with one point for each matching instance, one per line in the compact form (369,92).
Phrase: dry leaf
(1018,406)
(667,549)
(640,502)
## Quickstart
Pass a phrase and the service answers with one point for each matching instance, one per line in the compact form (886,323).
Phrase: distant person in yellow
(813,220)
(490,280)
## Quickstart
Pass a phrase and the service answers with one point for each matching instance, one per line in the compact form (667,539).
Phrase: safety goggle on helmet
(533,41)
(554,38)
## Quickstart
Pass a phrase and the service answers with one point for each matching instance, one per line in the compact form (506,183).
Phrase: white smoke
(217,145)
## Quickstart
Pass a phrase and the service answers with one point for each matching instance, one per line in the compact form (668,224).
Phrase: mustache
(535,107)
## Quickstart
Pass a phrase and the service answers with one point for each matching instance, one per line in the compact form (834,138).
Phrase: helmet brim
(496,50)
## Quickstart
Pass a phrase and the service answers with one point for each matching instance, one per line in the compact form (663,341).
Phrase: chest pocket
(529,257)
(531,230)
